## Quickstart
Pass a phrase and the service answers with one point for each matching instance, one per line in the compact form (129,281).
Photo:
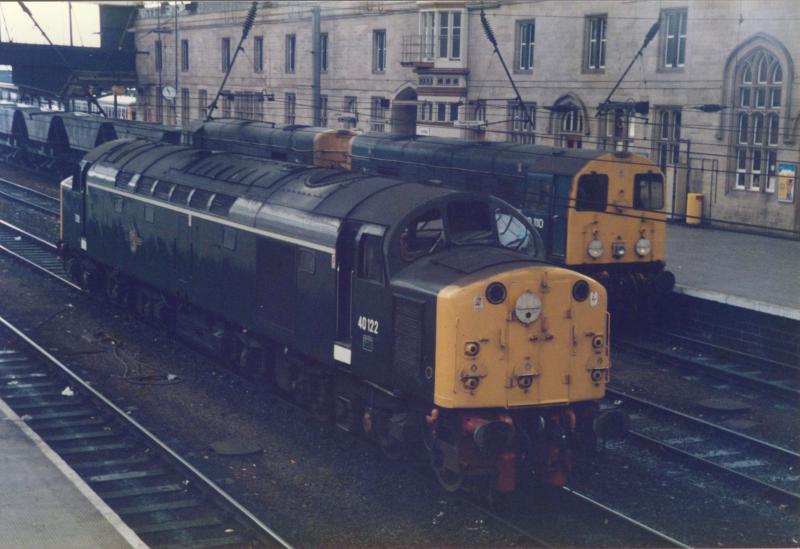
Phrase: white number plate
(368,325)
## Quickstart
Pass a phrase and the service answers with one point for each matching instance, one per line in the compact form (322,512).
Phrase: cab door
(371,305)
(537,206)
(561,208)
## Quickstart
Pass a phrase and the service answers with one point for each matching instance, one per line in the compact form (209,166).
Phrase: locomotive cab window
(470,222)
(648,191)
(422,235)
(592,193)
(513,234)
(370,265)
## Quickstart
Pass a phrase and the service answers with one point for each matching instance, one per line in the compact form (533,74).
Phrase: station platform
(748,271)
(44,503)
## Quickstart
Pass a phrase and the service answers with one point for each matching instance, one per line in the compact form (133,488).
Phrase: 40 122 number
(368,325)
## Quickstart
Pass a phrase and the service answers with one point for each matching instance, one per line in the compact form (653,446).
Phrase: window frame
(323,110)
(680,39)
(290,53)
(755,141)
(258,54)
(202,103)
(184,55)
(374,241)
(225,53)
(290,108)
(158,48)
(602,49)
(518,46)
(379,51)
(519,129)
(588,205)
(324,42)
(667,135)
(377,123)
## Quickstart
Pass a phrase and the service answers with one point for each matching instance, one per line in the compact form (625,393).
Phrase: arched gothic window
(759,87)
(568,122)
(571,128)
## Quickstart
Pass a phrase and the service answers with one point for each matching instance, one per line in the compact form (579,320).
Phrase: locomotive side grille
(408,331)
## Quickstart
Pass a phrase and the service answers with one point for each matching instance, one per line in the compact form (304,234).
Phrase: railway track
(765,466)
(31,198)
(723,363)
(163,498)
(34,251)
(42,255)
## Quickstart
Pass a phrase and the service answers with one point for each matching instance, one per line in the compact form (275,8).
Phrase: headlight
(643,247)
(528,308)
(496,293)
(618,250)
(595,248)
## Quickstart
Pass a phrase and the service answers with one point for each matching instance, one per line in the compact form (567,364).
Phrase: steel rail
(722,372)
(728,350)
(217,491)
(625,518)
(784,453)
(18,250)
(42,197)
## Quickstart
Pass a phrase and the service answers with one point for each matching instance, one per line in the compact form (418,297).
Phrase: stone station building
(719,78)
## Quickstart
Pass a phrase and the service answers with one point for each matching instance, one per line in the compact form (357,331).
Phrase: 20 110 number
(368,325)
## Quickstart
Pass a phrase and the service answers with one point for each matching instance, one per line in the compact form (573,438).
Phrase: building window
(526,34)
(246,105)
(570,127)
(225,53)
(291,51)
(289,108)
(759,83)
(379,51)
(323,110)
(184,55)
(323,52)
(258,54)
(596,42)
(202,104)
(453,112)
(619,129)
(259,106)
(186,107)
(479,110)
(378,114)
(159,55)
(522,125)
(428,33)
(425,111)
(227,103)
(674,42)
(668,137)
(350,114)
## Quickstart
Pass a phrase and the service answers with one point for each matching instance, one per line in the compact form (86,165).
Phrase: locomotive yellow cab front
(521,359)
(533,336)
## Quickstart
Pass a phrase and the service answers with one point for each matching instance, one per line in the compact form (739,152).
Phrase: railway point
(45,504)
